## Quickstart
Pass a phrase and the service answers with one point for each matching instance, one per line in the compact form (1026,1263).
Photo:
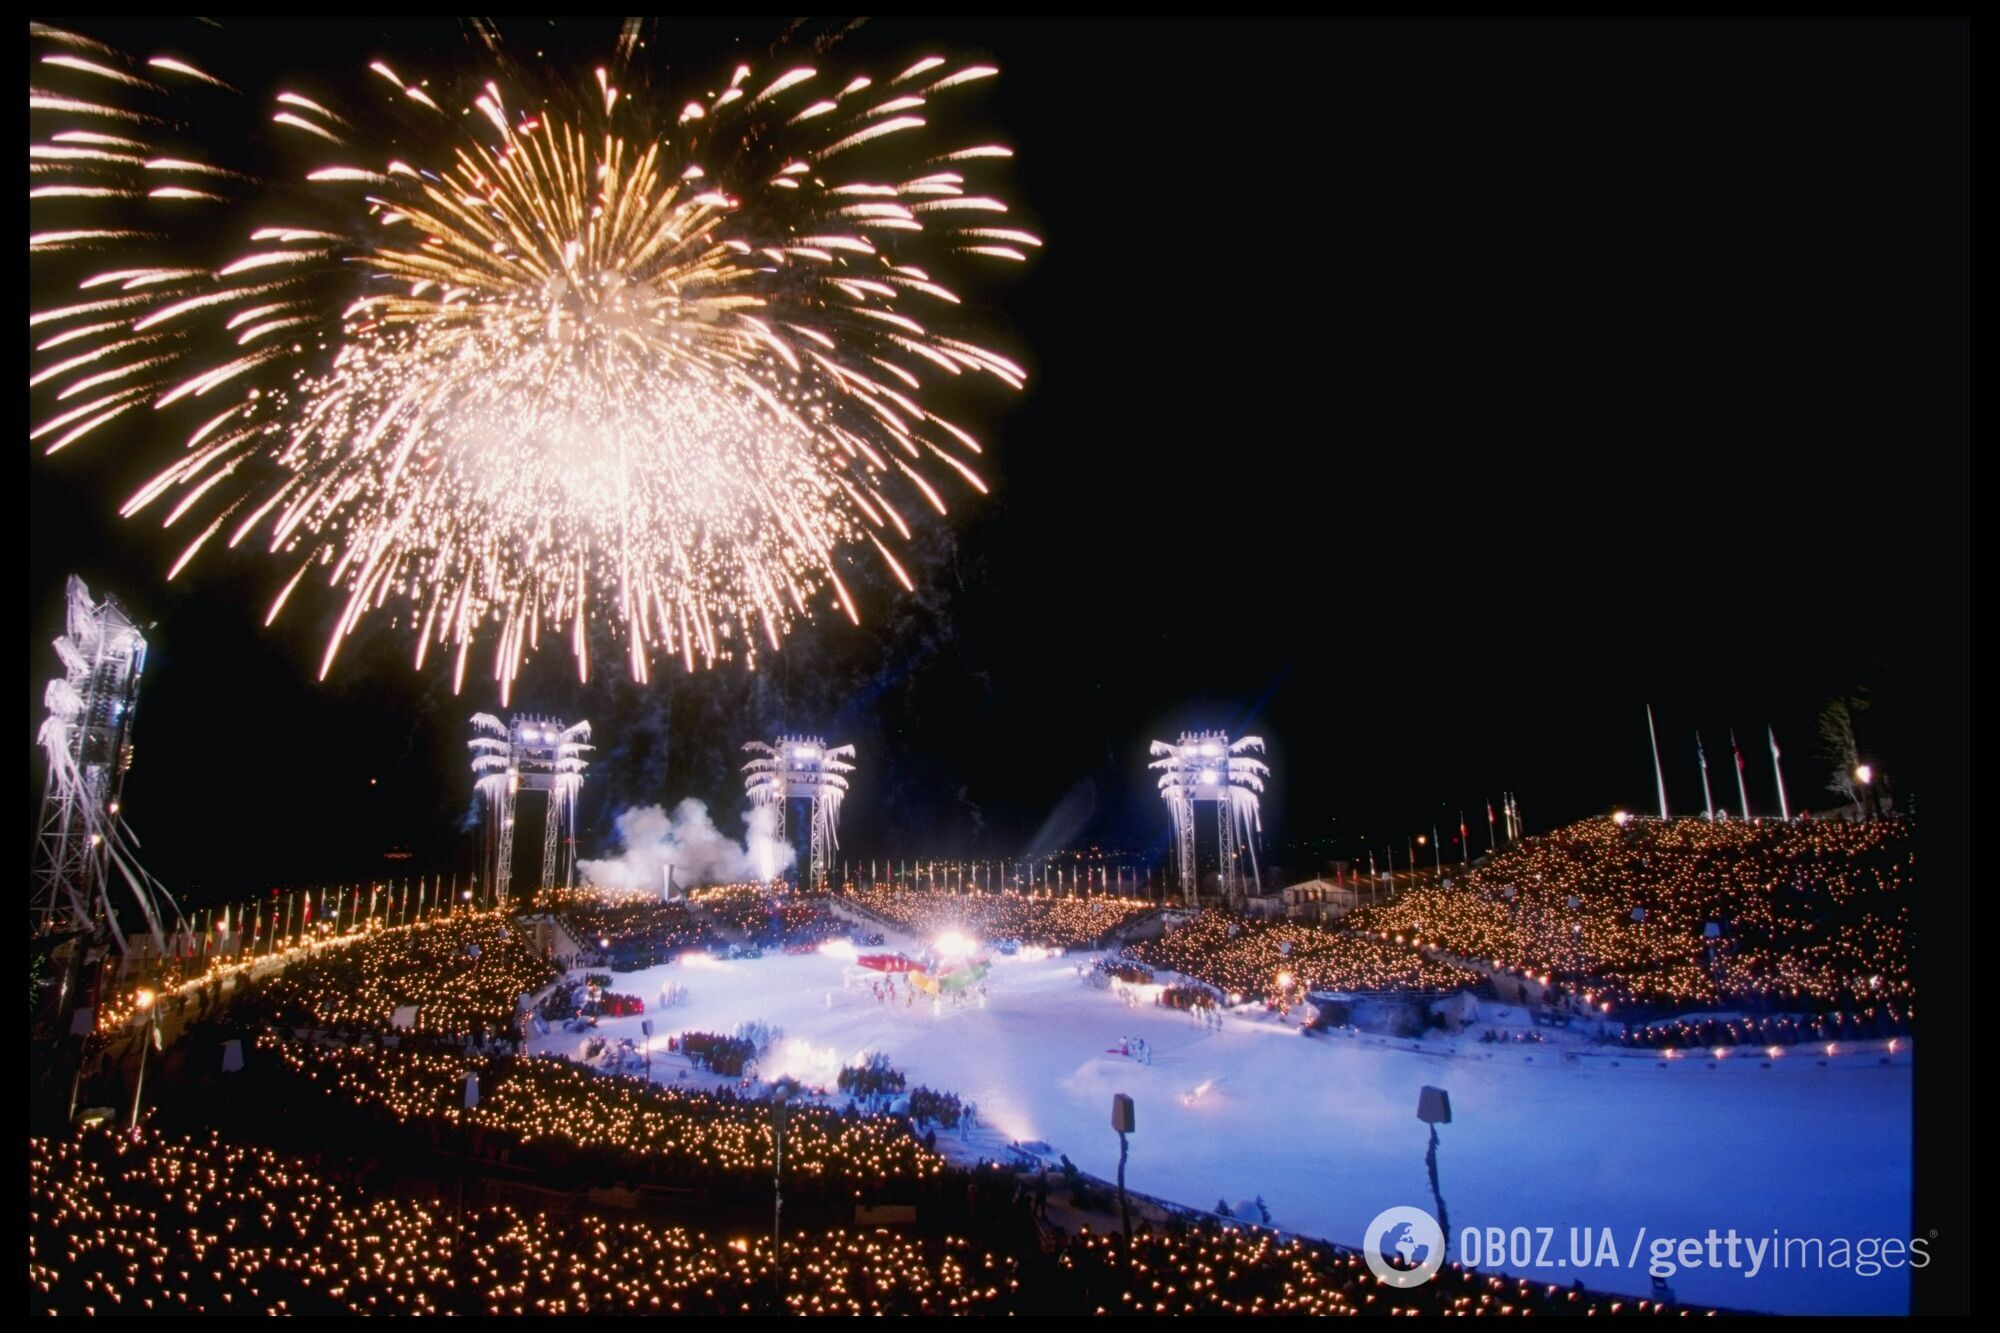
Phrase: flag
(1737,750)
(1774,742)
(1489,812)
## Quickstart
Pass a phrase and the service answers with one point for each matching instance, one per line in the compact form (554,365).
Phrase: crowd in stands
(628,931)
(767,920)
(158,1224)
(544,1108)
(187,1226)
(1665,917)
(1241,1271)
(224,942)
(1245,958)
(1709,1033)
(631,931)
(464,975)
(1063,923)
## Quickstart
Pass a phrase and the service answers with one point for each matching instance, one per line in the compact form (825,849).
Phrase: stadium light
(1434,1109)
(1124,1119)
(779,1096)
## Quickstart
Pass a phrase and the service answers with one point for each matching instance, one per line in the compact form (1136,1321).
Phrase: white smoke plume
(689,841)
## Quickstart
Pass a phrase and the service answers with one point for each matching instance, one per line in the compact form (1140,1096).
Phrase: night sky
(1426,398)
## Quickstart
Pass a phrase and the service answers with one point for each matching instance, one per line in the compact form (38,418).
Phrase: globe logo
(1404,1247)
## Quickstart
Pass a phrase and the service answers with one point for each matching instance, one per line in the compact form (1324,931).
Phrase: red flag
(1489,812)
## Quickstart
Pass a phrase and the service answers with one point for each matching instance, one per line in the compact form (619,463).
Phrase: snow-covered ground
(1324,1128)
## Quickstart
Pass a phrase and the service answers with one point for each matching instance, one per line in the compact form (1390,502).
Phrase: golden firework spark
(583,364)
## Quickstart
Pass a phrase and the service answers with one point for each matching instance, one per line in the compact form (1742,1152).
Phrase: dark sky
(1425,397)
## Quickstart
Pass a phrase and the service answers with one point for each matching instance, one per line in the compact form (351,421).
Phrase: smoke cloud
(689,841)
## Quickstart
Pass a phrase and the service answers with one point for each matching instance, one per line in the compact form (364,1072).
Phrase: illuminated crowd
(1831,1030)
(187,1226)
(629,931)
(1646,915)
(632,931)
(228,943)
(765,918)
(463,975)
(1231,1271)
(1064,923)
(553,1113)
(1248,959)
(162,1224)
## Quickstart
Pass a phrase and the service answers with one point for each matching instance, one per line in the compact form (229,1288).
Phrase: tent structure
(889,962)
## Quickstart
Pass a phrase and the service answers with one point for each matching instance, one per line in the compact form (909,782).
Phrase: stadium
(894,667)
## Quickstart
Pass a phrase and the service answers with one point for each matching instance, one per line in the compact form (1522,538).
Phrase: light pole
(1124,1120)
(778,1099)
(146,1000)
(1434,1109)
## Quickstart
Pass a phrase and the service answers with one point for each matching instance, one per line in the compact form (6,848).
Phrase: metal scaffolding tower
(529,753)
(802,768)
(1206,766)
(83,845)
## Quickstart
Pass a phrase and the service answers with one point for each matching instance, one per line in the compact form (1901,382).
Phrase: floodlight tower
(87,738)
(529,753)
(802,768)
(1208,766)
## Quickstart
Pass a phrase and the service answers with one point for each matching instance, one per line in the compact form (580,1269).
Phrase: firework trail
(502,361)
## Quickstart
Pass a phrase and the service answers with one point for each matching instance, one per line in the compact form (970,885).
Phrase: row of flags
(1701,757)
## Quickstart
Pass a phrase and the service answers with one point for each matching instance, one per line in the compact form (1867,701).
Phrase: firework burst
(557,359)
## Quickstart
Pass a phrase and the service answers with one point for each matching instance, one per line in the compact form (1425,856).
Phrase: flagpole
(1784,807)
(1659,774)
(1708,801)
(1742,793)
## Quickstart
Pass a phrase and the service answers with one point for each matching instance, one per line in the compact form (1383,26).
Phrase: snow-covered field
(1325,1130)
